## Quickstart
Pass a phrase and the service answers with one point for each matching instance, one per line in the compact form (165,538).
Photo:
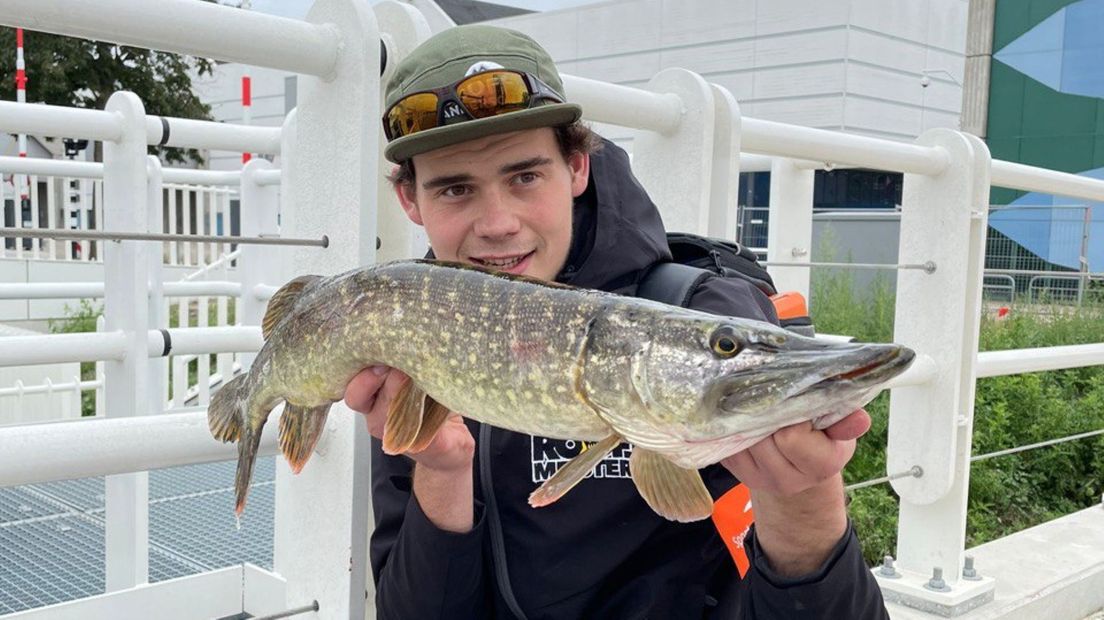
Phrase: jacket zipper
(490,504)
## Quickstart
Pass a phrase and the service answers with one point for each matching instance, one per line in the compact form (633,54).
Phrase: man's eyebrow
(447,181)
(532,162)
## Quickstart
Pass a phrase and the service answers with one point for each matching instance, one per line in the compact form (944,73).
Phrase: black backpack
(696,259)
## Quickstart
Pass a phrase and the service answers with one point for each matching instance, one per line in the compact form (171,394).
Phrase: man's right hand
(371,392)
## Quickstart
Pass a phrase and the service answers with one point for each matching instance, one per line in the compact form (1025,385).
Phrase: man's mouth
(502,262)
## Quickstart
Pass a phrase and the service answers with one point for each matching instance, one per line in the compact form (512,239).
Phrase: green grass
(1007,493)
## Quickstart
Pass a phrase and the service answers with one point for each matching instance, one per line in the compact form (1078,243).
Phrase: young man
(498,170)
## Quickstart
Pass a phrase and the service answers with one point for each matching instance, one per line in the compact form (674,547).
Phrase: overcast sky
(298,8)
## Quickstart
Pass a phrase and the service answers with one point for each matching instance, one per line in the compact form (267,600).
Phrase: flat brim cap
(451,55)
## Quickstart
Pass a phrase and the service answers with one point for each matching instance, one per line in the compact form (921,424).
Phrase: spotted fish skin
(543,359)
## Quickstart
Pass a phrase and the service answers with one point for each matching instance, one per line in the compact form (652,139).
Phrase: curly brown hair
(573,138)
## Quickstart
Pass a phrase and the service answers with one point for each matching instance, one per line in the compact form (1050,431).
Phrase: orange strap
(733,516)
(790,305)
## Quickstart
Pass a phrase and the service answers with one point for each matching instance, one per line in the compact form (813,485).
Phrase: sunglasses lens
(412,114)
(493,93)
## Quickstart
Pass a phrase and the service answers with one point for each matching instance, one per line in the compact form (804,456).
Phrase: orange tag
(733,516)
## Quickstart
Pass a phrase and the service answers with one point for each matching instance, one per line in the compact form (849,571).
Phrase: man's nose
(497,218)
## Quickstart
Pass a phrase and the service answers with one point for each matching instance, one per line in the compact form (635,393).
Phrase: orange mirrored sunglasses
(481,95)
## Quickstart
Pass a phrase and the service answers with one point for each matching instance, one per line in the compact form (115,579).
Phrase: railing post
(259,216)
(402,28)
(675,167)
(943,220)
(333,184)
(725,191)
(126,267)
(158,317)
(790,224)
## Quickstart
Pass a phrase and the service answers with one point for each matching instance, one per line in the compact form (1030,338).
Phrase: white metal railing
(687,158)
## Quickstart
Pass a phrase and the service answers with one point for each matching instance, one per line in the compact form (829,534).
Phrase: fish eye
(725,344)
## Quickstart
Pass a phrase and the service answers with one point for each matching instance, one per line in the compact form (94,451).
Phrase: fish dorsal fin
(300,429)
(404,419)
(283,301)
(673,492)
(573,472)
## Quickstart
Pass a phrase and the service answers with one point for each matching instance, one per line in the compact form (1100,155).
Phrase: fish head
(702,378)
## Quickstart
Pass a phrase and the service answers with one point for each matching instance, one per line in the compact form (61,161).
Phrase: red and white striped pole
(21,97)
(247,104)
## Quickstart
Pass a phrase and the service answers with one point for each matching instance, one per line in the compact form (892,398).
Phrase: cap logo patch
(481,66)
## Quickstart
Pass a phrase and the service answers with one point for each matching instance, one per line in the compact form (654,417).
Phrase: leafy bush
(1007,493)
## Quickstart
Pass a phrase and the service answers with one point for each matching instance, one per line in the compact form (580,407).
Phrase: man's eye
(455,191)
(526,178)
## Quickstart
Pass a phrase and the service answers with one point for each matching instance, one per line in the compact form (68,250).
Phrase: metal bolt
(968,571)
(929,267)
(887,569)
(936,582)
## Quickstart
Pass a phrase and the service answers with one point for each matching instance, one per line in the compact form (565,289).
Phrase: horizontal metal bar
(1016,361)
(201,177)
(1030,272)
(48,233)
(188,133)
(1032,446)
(61,348)
(222,260)
(914,472)
(91,447)
(771,138)
(60,122)
(264,292)
(49,387)
(204,29)
(921,372)
(1031,179)
(51,167)
(203,340)
(95,290)
(928,267)
(291,612)
(624,106)
(268,177)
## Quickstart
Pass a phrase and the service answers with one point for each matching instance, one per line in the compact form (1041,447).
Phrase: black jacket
(598,552)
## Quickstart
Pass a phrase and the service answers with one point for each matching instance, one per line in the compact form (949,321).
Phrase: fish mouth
(870,365)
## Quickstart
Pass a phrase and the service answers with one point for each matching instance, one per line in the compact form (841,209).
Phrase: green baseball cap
(453,54)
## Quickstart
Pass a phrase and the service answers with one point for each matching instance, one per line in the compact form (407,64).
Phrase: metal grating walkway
(52,534)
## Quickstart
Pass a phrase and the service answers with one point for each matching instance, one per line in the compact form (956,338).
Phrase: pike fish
(686,388)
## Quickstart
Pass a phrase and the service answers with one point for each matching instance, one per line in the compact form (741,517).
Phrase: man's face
(503,201)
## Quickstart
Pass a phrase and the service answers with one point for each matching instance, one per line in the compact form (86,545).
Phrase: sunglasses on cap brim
(482,95)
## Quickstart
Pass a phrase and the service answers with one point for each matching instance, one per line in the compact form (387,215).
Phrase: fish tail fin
(225,412)
(247,455)
(300,429)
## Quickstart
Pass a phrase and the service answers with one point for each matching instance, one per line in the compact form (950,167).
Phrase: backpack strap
(672,283)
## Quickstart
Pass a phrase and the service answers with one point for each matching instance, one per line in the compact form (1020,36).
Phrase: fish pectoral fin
(573,472)
(300,429)
(434,415)
(673,492)
(283,301)
(404,419)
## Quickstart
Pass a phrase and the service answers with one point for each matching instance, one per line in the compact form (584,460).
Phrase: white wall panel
(947,25)
(712,58)
(882,83)
(689,23)
(907,19)
(776,16)
(556,31)
(810,79)
(619,69)
(824,111)
(618,28)
(881,115)
(803,47)
(879,49)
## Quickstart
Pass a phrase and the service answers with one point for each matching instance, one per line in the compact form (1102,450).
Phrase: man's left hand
(798,457)
(797,491)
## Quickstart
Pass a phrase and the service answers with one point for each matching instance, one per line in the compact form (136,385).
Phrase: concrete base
(1053,571)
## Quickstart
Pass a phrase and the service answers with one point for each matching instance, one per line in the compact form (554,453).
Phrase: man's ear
(579,164)
(407,196)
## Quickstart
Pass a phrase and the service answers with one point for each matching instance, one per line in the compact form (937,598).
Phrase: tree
(81,73)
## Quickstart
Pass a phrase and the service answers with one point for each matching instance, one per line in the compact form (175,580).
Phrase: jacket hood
(617,231)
